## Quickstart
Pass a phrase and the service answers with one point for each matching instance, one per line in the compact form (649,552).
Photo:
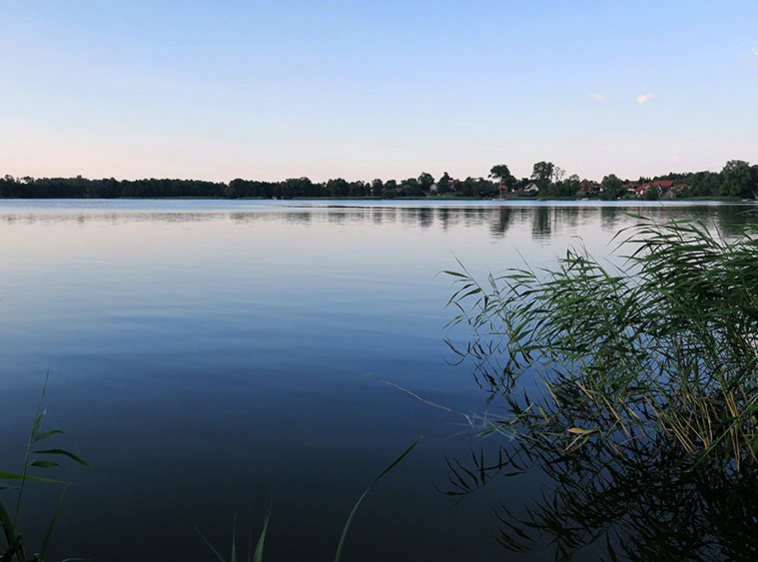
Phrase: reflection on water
(541,224)
(545,221)
(650,502)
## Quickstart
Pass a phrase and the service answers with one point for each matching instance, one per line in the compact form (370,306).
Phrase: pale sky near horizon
(375,88)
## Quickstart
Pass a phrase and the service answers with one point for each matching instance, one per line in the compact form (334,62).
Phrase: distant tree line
(79,187)
(737,179)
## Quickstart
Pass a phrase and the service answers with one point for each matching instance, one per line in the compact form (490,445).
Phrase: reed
(12,547)
(666,342)
(632,389)
(257,554)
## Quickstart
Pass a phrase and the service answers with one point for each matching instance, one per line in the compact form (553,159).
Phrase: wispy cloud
(598,97)
(644,98)
(753,53)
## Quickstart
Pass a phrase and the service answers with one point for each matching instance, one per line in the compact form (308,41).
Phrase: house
(588,186)
(663,187)
(531,186)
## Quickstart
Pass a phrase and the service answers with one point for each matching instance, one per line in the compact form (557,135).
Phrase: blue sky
(365,89)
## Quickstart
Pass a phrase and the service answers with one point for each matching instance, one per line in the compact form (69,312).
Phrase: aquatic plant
(632,387)
(13,548)
(257,554)
(666,342)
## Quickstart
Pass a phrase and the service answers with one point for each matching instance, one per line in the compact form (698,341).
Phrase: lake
(219,359)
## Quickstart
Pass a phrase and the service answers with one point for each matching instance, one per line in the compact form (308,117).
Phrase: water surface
(210,358)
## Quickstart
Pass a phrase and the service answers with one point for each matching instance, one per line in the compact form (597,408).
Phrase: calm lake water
(209,359)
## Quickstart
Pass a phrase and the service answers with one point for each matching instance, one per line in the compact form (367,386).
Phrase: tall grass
(257,554)
(666,342)
(633,388)
(12,546)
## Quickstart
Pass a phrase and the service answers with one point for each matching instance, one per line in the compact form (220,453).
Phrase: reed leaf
(14,547)
(257,555)
(381,475)
(646,420)
(667,341)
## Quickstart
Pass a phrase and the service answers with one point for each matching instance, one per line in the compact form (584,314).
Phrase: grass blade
(383,473)
(216,553)
(63,452)
(258,556)
(11,536)
(51,526)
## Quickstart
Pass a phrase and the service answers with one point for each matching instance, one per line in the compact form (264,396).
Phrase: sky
(366,89)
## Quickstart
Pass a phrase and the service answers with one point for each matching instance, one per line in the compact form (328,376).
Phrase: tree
(558,174)
(296,187)
(502,174)
(359,189)
(703,184)
(9,186)
(611,187)
(568,187)
(390,189)
(737,179)
(426,181)
(411,187)
(377,186)
(338,187)
(652,193)
(443,186)
(542,173)
(467,187)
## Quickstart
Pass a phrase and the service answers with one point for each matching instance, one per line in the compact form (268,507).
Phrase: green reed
(667,342)
(12,546)
(257,554)
(632,389)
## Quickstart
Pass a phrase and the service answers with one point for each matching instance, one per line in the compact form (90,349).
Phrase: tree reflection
(541,227)
(502,221)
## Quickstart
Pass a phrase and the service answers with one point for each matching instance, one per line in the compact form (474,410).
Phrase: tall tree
(737,180)
(411,187)
(390,189)
(502,174)
(377,186)
(542,173)
(703,184)
(443,186)
(568,187)
(338,187)
(426,181)
(611,187)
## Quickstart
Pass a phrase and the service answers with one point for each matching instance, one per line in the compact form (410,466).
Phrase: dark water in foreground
(209,359)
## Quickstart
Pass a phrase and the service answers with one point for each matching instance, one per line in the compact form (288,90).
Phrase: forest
(736,179)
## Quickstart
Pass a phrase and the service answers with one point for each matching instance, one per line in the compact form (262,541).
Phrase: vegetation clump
(667,343)
(633,388)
